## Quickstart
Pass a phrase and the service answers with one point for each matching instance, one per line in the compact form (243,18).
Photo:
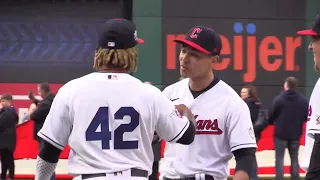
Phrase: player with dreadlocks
(111,136)
(124,59)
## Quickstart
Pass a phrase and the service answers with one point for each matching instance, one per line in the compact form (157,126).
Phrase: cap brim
(140,41)
(308,32)
(193,45)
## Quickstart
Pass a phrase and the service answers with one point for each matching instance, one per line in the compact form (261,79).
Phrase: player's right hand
(185,111)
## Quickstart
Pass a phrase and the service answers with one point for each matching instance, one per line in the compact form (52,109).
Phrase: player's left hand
(185,111)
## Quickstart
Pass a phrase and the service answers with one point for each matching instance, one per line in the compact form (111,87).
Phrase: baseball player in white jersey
(224,125)
(108,118)
(311,161)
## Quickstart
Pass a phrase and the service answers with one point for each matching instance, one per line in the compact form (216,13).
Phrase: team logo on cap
(195,32)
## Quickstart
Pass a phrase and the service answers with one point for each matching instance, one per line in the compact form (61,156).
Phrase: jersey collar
(114,76)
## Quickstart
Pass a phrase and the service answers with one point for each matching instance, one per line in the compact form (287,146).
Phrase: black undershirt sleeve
(48,152)
(245,159)
(188,136)
(314,166)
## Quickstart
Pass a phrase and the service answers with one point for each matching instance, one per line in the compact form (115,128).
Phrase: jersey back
(113,120)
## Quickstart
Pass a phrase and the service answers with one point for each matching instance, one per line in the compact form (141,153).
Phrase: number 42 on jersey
(102,118)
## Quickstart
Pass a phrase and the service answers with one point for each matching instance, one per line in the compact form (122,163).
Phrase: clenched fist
(185,111)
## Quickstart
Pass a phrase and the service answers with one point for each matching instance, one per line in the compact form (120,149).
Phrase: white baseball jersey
(108,120)
(223,125)
(313,124)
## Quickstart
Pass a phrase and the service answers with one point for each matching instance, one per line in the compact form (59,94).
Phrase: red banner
(27,147)
(19,91)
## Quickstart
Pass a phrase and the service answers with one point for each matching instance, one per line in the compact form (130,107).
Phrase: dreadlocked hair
(125,59)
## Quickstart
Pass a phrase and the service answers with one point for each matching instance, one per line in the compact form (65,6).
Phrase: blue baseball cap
(118,34)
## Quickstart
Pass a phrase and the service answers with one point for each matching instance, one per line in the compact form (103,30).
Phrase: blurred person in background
(288,112)
(32,108)
(8,121)
(249,95)
(43,107)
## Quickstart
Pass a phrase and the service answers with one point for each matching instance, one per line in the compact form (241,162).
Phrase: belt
(206,177)
(134,173)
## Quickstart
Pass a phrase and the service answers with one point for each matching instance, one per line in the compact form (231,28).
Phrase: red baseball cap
(315,31)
